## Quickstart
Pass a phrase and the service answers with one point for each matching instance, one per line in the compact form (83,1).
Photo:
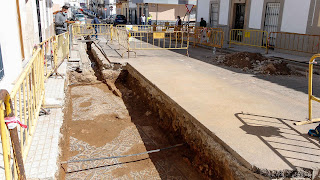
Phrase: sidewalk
(252,114)
(44,151)
(271,53)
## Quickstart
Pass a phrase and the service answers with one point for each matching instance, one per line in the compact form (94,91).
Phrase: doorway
(239,15)
(271,20)
(214,14)
(39,20)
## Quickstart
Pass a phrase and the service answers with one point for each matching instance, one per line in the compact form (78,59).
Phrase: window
(214,14)
(1,66)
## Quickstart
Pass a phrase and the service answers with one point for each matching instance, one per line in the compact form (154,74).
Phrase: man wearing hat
(61,20)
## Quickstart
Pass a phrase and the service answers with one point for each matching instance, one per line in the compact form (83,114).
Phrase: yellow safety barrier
(140,28)
(213,37)
(256,38)
(184,28)
(47,47)
(153,41)
(305,43)
(28,97)
(310,94)
(92,30)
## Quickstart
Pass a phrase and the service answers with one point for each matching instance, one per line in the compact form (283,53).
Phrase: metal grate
(214,14)
(1,66)
(271,19)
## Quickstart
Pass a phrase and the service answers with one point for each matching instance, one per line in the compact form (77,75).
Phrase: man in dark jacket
(203,23)
(61,20)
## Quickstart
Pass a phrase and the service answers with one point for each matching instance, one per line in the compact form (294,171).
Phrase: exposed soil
(97,123)
(103,125)
(254,63)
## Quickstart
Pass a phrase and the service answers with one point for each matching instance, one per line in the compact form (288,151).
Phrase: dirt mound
(255,63)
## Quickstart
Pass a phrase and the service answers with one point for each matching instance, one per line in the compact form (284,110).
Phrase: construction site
(162,102)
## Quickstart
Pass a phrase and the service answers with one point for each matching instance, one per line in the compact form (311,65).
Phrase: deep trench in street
(98,124)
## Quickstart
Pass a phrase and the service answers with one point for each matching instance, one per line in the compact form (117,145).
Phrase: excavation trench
(98,122)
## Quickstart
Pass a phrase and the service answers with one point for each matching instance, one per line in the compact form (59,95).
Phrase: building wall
(167,12)
(295,16)
(10,44)
(224,12)
(203,8)
(256,9)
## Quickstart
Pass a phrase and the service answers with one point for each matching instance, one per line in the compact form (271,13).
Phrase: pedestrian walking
(203,23)
(94,22)
(61,20)
(143,19)
(149,19)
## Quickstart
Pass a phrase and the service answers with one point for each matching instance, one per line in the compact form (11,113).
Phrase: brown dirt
(112,132)
(255,63)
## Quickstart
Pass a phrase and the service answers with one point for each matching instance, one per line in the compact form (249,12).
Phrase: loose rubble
(254,63)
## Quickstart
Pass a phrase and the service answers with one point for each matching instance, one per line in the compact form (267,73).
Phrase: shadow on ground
(285,141)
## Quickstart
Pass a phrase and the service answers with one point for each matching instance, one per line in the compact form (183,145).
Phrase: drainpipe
(157,14)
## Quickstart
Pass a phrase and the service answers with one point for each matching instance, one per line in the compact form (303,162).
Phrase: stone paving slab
(44,151)
(252,114)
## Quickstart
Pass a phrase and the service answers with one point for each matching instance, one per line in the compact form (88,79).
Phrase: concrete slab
(252,114)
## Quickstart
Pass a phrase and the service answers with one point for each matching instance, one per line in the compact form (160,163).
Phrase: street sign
(189,7)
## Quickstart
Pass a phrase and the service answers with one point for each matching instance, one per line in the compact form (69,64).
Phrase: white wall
(224,12)
(256,14)
(10,44)
(295,16)
(203,9)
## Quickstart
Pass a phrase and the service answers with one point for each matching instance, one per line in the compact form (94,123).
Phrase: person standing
(94,22)
(203,23)
(178,22)
(61,20)
(149,19)
(143,19)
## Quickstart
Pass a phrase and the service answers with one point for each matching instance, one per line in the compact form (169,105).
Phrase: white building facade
(25,24)
(294,16)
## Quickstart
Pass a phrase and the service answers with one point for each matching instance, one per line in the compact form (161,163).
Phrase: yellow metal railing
(311,97)
(136,40)
(92,29)
(213,37)
(26,100)
(47,47)
(305,43)
(256,38)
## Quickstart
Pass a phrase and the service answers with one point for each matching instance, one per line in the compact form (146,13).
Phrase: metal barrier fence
(153,40)
(92,29)
(213,37)
(47,47)
(310,94)
(256,38)
(144,28)
(295,42)
(27,98)
(184,28)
